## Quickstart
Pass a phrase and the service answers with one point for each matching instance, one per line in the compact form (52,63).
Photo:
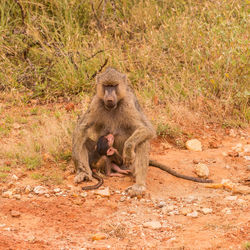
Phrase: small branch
(96,17)
(22,11)
(97,72)
(88,58)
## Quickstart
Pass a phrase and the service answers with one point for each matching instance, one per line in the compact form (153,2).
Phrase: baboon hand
(128,155)
(82,176)
(137,190)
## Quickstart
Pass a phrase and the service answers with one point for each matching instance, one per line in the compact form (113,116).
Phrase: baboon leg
(80,152)
(139,169)
(83,171)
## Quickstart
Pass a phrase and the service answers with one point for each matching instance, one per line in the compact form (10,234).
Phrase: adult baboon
(114,109)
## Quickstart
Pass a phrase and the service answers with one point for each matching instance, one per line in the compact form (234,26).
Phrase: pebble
(231,198)
(47,195)
(226,210)
(152,224)
(186,210)
(30,195)
(168,208)
(104,192)
(14,177)
(27,189)
(194,145)
(57,190)
(84,194)
(123,198)
(207,210)
(15,213)
(17,196)
(40,190)
(7,194)
(201,170)
(99,236)
(194,214)
(161,204)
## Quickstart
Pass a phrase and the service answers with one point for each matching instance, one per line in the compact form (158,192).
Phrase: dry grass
(191,54)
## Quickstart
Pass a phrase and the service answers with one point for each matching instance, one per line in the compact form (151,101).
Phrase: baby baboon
(105,158)
(115,109)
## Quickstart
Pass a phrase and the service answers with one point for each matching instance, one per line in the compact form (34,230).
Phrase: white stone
(194,145)
(40,190)
(194,214)
(7,194)
(104,192)
(14,177)
(152,224)
(201,170)
(207,210)
(231,198)
(57,190)
(226,210)
(84,194)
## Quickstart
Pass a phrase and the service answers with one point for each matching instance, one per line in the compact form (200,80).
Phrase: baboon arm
(79,152)
(139,136)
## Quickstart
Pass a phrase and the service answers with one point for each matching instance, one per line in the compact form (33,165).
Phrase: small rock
(99,236)
(194,145)
(57,190)
(30,195)
(231,198)
(232,133)
(226,210)
(240,201)
(17,196)
(152,224)
(14,177)
(233,154)
(169,208)
(40,190)
(123,198)
(27,189)
(186,210)
(15,213)
(47,195)
(241,189)
(104,192)
(247,157)
(195,161)
(84,194)
(194,214)
(202,170)
(207,210)
(7,194)
(238,148)
(161,204)
(16,126)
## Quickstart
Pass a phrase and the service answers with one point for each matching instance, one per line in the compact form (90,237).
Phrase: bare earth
(73,219)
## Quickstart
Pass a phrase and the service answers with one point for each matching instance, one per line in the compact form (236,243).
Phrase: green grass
(32,162)
(190,53)
(3,176)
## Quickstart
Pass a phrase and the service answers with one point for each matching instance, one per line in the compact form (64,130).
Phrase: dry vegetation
(191,54)
(187,61)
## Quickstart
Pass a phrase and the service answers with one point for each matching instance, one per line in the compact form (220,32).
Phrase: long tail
(100,182)
(174,173)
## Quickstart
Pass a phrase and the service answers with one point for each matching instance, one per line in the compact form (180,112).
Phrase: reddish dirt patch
(70,222)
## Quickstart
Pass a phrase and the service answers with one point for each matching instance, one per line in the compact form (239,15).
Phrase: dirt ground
(174,214)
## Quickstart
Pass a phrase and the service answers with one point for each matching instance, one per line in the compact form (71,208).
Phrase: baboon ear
(110,151)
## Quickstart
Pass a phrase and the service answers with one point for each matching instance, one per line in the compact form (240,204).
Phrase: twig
(22,11)
(105,63)
(88,58)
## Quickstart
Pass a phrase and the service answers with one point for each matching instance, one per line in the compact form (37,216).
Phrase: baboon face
(111,88)
(110,96)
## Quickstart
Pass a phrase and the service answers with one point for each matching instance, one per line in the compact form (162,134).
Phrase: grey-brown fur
(126,121)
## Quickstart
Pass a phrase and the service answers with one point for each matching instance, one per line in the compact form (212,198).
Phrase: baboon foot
(82,176)
(137,190)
